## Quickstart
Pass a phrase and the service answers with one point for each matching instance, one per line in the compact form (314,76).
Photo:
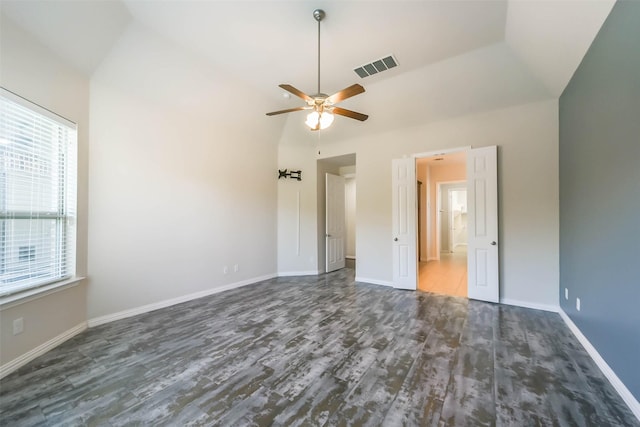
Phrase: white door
(335,222)
(404,229)
(482,224)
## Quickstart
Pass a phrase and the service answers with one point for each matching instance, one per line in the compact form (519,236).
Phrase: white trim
(374,281)
(299,273)
(622,390)
(39,292)
(27,357)
(525,304)
(96,321)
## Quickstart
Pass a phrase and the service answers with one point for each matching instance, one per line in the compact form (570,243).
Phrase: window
(27,253)
(37,195)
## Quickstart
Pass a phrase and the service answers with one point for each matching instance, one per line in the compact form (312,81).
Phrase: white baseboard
(27,357)
(622,390)
(298,273)
(374,281)
(525,304)
(173,301)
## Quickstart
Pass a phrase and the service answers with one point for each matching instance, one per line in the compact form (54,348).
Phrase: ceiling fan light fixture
(323,105)
(325,119)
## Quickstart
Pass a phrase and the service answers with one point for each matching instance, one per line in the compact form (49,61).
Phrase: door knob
(395,240)
(493,243)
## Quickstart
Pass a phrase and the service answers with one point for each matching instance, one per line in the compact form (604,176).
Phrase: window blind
(38,169)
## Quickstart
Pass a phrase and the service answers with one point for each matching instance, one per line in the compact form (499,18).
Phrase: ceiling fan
(322,105)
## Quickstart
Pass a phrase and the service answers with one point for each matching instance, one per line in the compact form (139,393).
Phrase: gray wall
(600,194)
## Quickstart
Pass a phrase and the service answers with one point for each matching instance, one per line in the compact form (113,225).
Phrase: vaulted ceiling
(455,57)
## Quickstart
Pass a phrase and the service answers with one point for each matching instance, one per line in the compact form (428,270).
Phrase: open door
(404,188)
(482,224)
(335,222)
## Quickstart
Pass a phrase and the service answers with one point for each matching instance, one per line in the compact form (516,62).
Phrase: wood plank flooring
(319,351)
(447,276)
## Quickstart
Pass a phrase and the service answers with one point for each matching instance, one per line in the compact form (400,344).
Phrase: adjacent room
(442,214)
(319,213)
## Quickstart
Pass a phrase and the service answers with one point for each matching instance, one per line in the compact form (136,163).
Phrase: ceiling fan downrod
(319,15)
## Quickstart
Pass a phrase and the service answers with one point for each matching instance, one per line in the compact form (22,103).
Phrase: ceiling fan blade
(350,114)
(296,92)
(352,90)
(289,110)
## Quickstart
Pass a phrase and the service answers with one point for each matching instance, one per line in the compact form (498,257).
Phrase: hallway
(447,276)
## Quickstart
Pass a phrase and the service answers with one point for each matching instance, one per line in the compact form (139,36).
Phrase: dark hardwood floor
(319,351)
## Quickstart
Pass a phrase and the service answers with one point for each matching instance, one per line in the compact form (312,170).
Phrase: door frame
(434,153)
(416,156)
(481,167)
(331,165)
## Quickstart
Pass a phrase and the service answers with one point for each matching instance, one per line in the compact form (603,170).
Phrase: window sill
(33,294)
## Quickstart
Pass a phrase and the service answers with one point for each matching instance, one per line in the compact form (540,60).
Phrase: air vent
(377,66)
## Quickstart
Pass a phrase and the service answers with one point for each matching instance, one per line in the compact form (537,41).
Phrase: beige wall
(297,212)
(527,137)
(48,318)
(30,70)
(181,185)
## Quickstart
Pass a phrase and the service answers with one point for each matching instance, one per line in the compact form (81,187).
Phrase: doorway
(343,167)
(483,281)
(444,269)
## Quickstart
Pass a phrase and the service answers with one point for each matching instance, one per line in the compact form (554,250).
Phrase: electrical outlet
(566,293)
(578,304)
(225,270)
(18,326)
(236,268)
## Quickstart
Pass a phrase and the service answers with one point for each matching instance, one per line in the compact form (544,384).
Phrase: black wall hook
(292,174)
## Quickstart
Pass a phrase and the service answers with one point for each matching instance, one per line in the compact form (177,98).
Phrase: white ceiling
(455,57)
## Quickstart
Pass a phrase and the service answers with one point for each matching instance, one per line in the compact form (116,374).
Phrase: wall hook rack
(290,174)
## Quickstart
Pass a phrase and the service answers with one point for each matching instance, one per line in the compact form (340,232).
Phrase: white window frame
(58,265)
